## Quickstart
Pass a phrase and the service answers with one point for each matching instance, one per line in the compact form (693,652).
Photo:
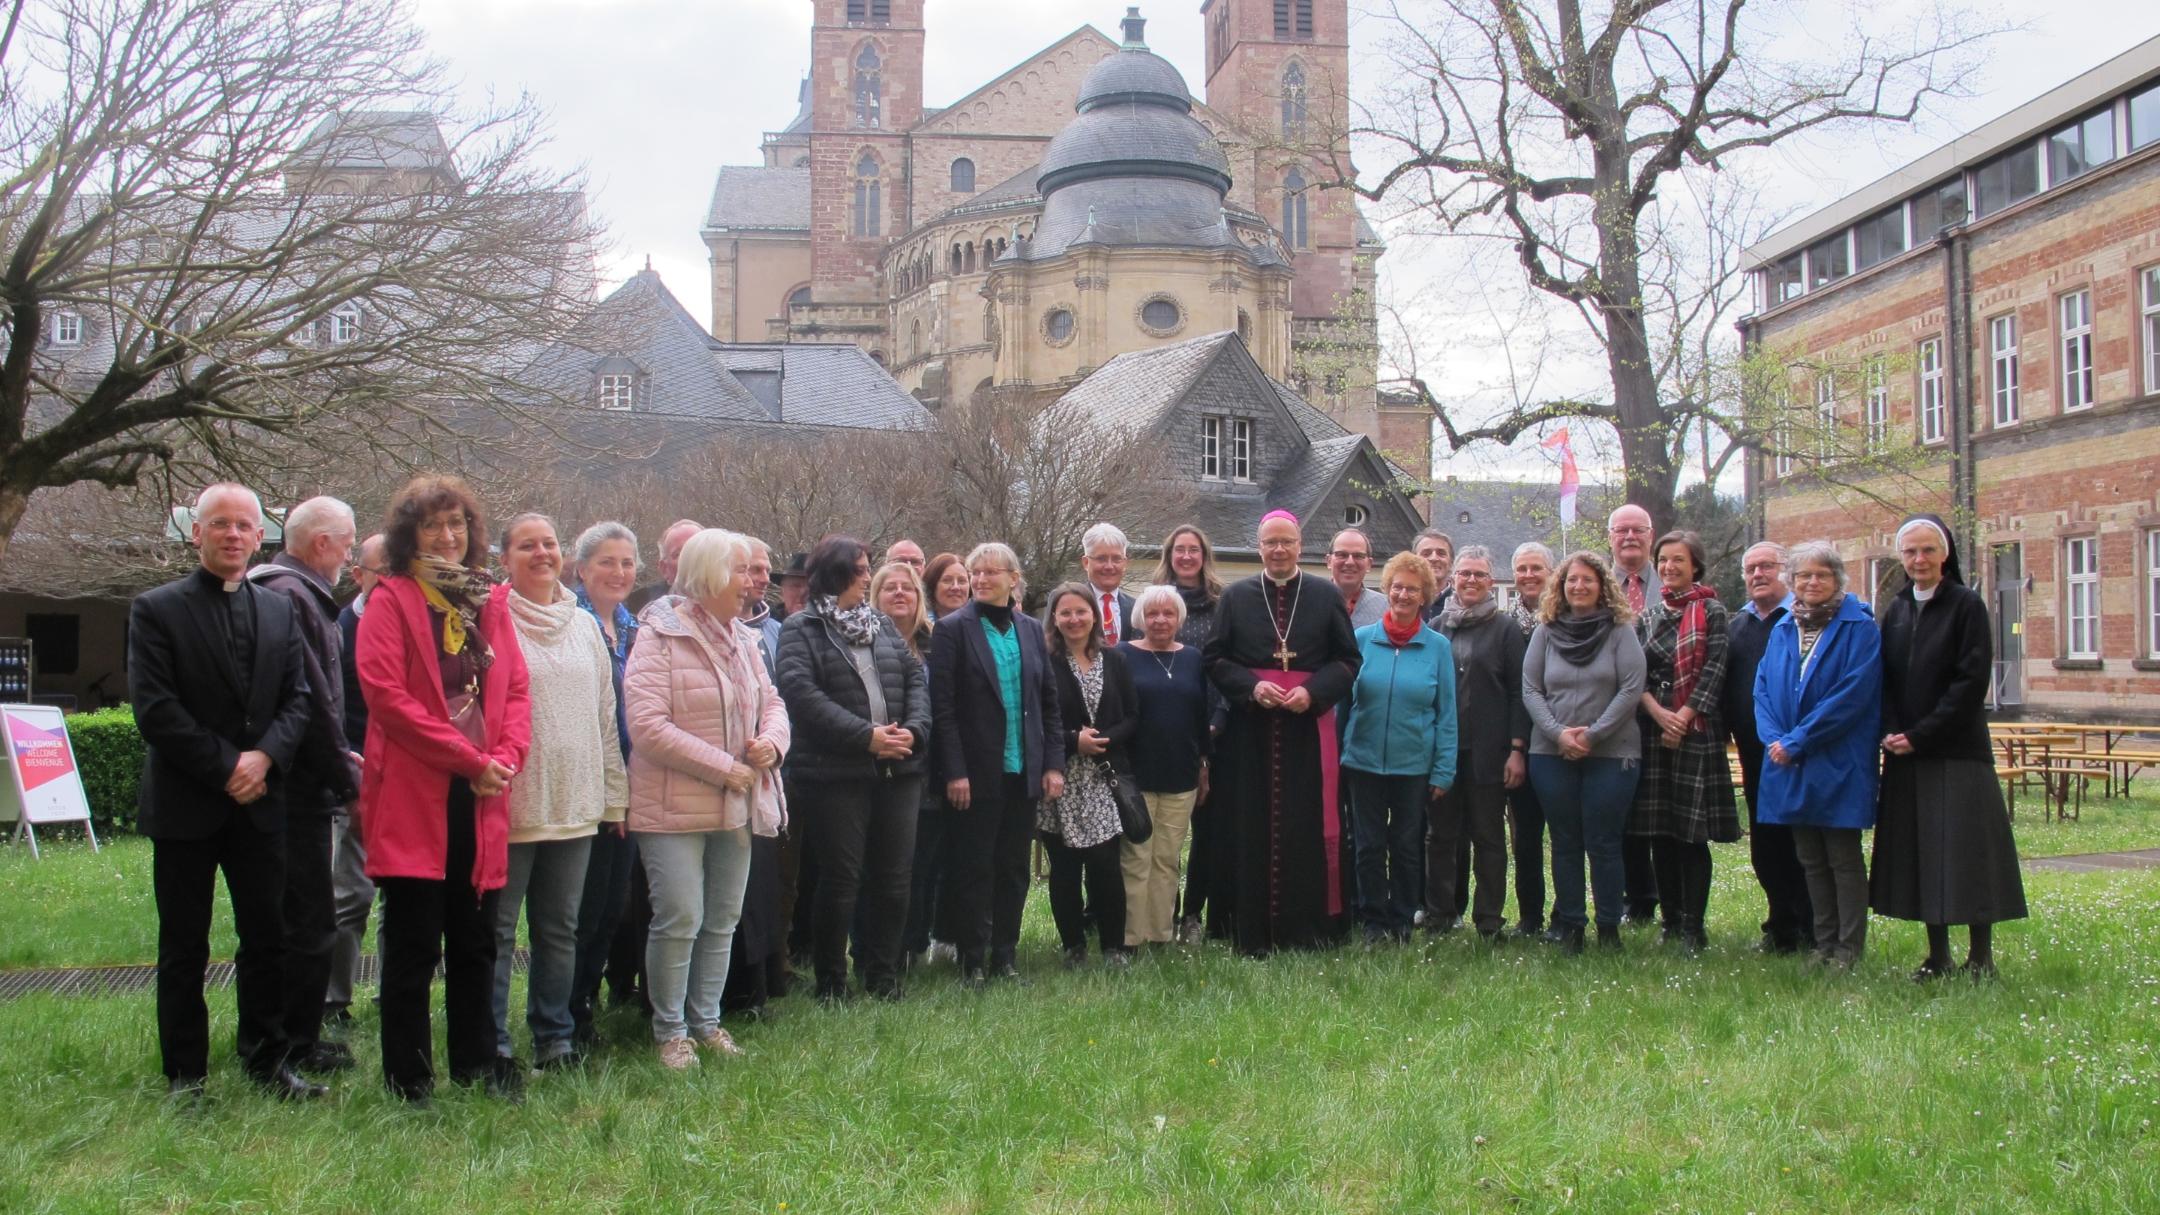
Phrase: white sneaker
(677,1055)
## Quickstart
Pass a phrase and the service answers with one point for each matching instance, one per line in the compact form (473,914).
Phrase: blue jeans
(1586,807)
(547,879)
(697,880)
(1389,844)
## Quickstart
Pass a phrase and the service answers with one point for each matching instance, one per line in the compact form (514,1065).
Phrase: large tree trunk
(13,502)
(1645,445)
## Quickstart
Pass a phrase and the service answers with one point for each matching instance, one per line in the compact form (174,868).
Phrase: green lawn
(1436,1077)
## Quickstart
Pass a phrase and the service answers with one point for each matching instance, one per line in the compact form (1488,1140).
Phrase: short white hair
(1816,552)
(1101,534)
(1533,546)
(1159,592)
(227,487)
(706,565)
(317,516)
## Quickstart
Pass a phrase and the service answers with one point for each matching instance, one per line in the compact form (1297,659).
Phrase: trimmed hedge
(109,750)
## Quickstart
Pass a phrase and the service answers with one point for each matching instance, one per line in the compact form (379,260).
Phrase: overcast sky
(652,96)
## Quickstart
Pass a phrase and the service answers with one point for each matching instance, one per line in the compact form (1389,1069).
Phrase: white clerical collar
(1285,580)
(1924,596)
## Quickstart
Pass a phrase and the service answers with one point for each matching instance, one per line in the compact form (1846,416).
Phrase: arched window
(800,295)
(1293,210)
(866,197)
(963,176)
(1293,102)
(869,87)
(954,260)
(967,257)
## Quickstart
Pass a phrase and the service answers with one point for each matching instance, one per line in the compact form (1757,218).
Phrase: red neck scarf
(1692,649)
(1402,635)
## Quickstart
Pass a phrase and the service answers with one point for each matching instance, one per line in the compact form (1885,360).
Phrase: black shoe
(186,1092)
(563,1061)
(503,1078)
(337,1017)
(1931,970)
(1569,938)
(1694,941)
(884,993)
(1608,938)
(1006,972)
(1490,935)
(1075,959)
(974,978)
(285,1084)
(1441,928)
(1530,928)
(1979,970)
(324,1058)
(1117,959)
(833,995)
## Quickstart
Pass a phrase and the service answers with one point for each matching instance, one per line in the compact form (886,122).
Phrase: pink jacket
(412,749)
(694,704)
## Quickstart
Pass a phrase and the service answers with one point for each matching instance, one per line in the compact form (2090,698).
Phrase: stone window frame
(1933,384)
(68,328)
(1160,297)
(866,212)
(1826,417)
(2149,549)
(866,86)
(1296,108)
(1297,233)
(1875,397)
(2149,325)
(2005,403)
(2074,350)
(343,324)
(1072,315)
(955,171)
(2068,598)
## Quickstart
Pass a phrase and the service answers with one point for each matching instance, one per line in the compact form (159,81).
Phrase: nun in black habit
(1943,849)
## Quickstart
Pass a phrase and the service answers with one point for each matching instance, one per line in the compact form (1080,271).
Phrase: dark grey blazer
(967,706)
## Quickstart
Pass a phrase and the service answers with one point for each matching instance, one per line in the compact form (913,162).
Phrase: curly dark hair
(421,497)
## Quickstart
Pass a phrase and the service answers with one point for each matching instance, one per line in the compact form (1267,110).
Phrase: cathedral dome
(1133,166)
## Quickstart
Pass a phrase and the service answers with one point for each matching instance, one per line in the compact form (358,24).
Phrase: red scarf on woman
(1400,637)
(1692,649)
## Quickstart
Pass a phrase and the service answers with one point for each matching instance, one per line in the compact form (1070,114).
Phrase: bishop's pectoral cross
(1283,653)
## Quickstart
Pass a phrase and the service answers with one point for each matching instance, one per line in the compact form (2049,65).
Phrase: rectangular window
(1880,237)
(1781,434)
(2152,593)
(1241,449)
(345,326)
(1826,444)
(1211,449)
(1878,404)
(1934,419)
(1782,281)
(618,391)
(2077,368)
(2149,314)
(1293,18)
(67,329)
(1828,261)
(2078,148)
(1939,208)
(2145,117)
(2003,368)
(2081,597)
(2010,178)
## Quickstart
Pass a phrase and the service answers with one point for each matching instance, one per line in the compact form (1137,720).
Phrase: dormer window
(1226,446)
(67,329)
(345,324)
(615,384)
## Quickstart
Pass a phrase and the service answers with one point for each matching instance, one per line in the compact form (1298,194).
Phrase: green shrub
(109,750)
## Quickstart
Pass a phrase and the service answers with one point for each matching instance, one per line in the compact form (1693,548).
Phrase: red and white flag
(1569,481)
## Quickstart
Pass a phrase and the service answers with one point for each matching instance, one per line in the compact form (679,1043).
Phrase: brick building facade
(1988,320)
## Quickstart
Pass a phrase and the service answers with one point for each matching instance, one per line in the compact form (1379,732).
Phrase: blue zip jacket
(1829,717)
(1402,708)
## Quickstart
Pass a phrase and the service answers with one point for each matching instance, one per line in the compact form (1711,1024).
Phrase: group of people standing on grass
(683,790)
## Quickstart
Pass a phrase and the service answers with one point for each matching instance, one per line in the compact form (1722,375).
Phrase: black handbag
(1131,809)
(1134,821)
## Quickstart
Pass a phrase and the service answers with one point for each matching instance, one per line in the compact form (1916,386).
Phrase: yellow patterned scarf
(458,593)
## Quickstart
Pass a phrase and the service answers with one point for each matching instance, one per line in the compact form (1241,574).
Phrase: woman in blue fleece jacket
(1398,752)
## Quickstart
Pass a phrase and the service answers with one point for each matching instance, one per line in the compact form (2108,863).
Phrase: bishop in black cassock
(1281,856)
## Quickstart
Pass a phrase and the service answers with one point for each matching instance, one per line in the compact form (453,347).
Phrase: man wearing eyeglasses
(1628,529)
(1349,560)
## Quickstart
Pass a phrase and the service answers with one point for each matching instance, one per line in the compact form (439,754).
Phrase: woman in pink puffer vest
(707,733)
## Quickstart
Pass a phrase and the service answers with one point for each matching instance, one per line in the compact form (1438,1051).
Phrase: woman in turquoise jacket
(1398,752)
(1818,706)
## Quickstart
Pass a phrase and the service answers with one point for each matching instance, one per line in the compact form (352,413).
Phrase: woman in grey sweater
(1582,677)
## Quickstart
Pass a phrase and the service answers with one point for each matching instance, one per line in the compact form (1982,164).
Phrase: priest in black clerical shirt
(1283,654)
(218,680)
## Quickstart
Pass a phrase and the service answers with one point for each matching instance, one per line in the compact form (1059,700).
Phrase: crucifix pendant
(1283,653)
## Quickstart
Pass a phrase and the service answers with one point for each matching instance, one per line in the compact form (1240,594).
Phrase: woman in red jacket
(448,727)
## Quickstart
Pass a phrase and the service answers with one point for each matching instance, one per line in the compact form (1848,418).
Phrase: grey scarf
(1455,615)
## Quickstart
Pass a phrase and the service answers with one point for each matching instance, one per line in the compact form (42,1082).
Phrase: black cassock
(1287,888)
